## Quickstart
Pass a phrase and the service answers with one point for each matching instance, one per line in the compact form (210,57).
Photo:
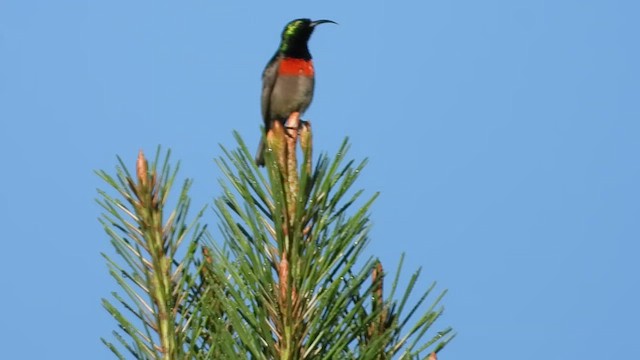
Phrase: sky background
(504,137)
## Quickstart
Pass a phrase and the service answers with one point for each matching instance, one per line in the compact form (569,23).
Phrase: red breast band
(299,67)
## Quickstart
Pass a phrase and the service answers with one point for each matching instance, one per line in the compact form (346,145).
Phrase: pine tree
(285,280)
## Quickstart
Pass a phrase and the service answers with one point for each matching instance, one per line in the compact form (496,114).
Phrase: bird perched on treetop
(288,79)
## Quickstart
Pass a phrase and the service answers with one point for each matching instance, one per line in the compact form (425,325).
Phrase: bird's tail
(260,153)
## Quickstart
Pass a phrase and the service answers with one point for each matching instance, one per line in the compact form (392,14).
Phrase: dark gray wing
(269,77)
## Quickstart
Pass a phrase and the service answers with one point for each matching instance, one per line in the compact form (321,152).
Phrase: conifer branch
(157,284)
(287,281)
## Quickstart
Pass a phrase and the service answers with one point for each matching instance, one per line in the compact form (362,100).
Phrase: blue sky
(502,135)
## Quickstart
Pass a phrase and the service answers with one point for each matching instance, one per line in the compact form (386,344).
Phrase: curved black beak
(318,22)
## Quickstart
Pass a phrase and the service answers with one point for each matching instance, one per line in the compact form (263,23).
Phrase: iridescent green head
(296,35)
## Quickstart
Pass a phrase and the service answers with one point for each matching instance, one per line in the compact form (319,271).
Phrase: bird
(289,78)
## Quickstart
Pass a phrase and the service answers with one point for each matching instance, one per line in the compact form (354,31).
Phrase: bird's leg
(292,124)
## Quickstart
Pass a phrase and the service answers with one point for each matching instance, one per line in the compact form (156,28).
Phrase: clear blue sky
(504,137)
